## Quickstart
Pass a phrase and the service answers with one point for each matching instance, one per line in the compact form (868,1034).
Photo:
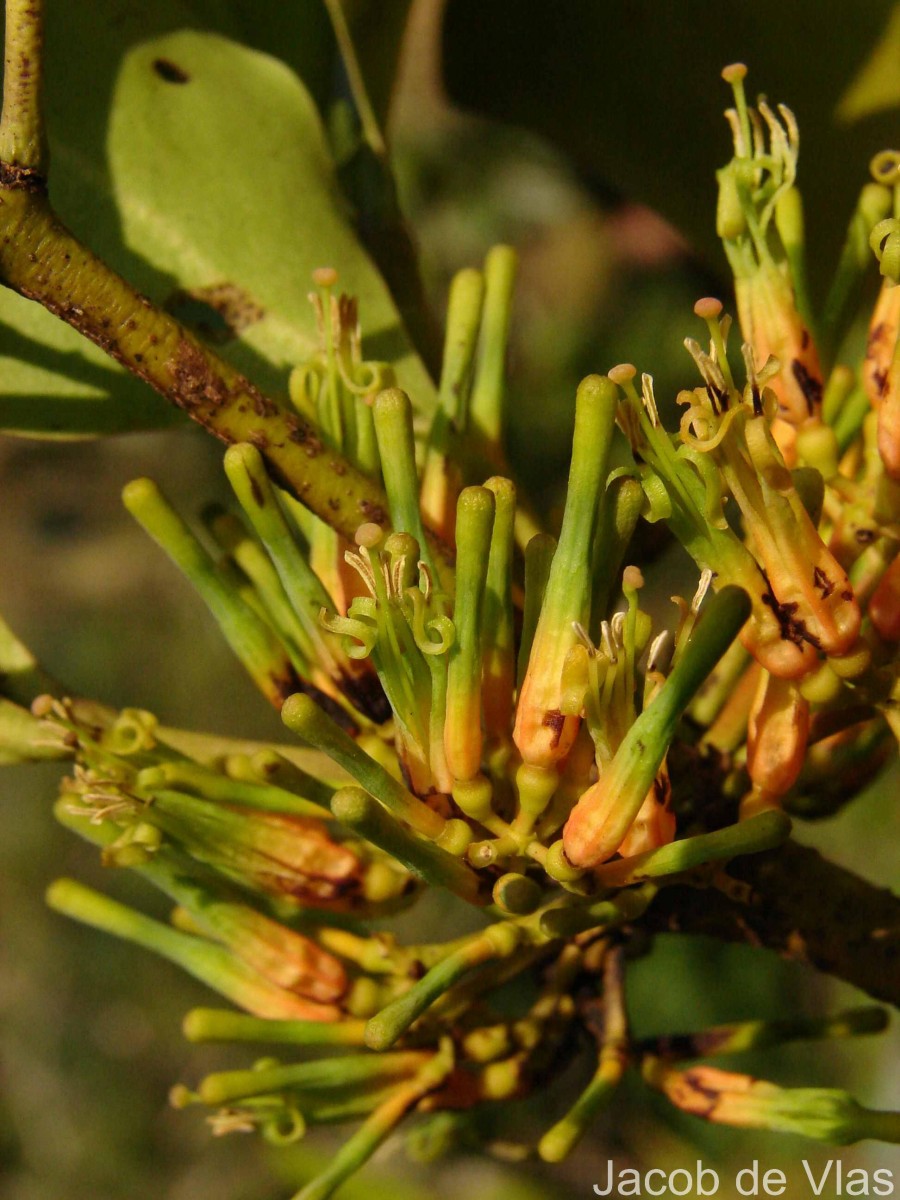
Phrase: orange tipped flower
(760,221)
(603,816)
(281,955)
(776,736)
(884,606)
(806,589)
(543,735)
(771,324)
(654,825)
(881,374)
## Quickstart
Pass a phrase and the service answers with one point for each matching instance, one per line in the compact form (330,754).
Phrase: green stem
(762,1035)
(762,832)
(222,1025)
(363,1144)
(360,812)
(497,941)
(223,789)
(367,119)
(559,1141)
(225,1087)
(570,919)
(23,147)
(304,718)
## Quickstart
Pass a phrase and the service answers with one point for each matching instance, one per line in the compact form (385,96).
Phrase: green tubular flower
(249,637)
(814,599)
(335,386)
(304,590)
(728,1098)
(760,222)
(604,814)
(211,964)
(498,632)
(687,490)
(442,474)
(543,735)
(404,625)
(462,726)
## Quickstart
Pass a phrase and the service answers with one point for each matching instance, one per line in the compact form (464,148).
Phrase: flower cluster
(485,709)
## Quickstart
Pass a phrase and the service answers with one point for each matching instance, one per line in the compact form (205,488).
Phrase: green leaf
(631,92)
(226,188)
(53,382)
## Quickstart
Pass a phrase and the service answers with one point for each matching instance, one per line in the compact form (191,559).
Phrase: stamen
(659,650)
(607,642)
(362,567)
(706,578)
(649,400)
(617,627)
(584,637)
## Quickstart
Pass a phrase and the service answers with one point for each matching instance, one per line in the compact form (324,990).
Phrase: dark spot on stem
(792,628)
(822,582)
(198,388)
(809,385)
(304,435)
(23,179)
(169,71)
(555,722)
(373,512)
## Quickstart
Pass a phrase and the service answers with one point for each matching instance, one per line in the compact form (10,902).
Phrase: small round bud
(708,308)
(324,277)
(885,167)
(369,535)
(622,374)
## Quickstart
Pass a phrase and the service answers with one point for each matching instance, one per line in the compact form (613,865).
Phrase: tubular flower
(760,222)
(777,736)
(808,591)
(543,734)
(881,371)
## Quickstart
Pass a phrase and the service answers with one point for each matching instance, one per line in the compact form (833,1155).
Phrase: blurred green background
(89,1029)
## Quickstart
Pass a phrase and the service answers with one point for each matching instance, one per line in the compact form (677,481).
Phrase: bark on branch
(794,901)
